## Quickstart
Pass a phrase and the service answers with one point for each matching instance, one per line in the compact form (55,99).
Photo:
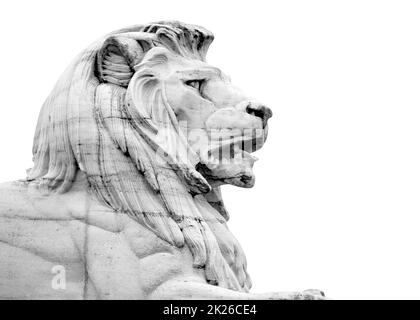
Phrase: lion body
(125,260)
(124,200)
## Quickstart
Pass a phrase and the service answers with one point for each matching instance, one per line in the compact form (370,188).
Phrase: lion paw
(310,294)
(313,294)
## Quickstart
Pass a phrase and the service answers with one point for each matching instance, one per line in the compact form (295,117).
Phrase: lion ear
(118,56)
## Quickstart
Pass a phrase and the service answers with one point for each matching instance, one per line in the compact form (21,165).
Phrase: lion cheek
(187,108)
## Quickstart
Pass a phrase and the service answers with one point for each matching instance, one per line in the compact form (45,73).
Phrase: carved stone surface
(123,201)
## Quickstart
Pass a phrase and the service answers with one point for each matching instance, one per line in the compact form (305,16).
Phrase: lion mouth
(227,143)
(228,157)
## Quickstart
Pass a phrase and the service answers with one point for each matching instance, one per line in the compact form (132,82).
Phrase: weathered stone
(123,200)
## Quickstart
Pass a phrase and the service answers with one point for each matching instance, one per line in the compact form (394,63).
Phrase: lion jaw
(225,148)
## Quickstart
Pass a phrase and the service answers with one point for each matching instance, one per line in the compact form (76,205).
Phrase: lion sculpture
(123,201)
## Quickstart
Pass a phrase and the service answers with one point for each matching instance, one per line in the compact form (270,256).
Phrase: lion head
(156,130)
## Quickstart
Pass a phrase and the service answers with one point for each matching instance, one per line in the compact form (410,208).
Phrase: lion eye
(196,84)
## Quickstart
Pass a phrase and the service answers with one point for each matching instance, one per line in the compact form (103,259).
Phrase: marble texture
(124,199)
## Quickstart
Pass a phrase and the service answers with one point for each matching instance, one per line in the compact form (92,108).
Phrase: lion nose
(260,111)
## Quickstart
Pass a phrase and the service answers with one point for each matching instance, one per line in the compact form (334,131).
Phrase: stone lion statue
(123,200)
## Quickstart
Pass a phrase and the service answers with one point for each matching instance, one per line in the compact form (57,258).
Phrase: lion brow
(205,72)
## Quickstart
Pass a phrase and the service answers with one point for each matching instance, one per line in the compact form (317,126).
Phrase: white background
(336,205)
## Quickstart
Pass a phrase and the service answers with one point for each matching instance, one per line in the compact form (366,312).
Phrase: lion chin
(130,150)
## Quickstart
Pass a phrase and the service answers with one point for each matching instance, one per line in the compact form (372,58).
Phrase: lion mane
(89,123)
